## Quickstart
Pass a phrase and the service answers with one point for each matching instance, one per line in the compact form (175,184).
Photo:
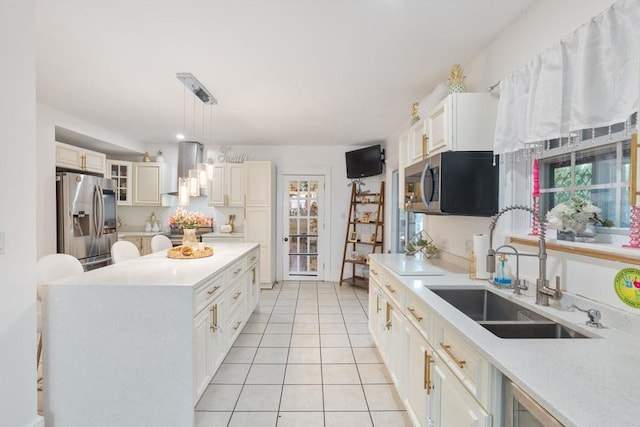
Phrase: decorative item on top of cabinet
(77,158)
(371,224)
(120,172)
(456,80)
(414,113)
(227,187)
(462,122)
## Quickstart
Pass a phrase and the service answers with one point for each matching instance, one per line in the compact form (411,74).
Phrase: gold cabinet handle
(237,270)
(387,324)
(427,372)
(375,273)
(235,328)
(413,312)
(377,303)
(447,349)
(236,296)
(253,275)
(393,291)
(213,290)
(214,318)
(253,258)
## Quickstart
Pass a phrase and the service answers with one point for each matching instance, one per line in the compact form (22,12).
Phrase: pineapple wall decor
(456,80)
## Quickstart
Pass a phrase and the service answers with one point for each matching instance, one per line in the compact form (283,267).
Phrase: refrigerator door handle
(101,202)
(97,210)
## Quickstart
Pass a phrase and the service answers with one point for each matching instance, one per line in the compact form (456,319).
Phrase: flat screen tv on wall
(364,162)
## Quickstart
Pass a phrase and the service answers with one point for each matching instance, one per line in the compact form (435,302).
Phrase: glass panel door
(303,214)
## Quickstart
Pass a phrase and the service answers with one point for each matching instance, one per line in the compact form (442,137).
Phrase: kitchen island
(449,368)
(136,343)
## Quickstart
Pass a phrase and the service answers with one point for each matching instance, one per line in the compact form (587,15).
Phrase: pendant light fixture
(198,179)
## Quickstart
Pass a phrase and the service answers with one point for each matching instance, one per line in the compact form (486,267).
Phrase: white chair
(123,250)
(48,269)
(160,242)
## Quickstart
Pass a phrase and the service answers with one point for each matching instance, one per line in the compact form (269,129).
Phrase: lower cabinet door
(455,404)
(419,381)
(200,333)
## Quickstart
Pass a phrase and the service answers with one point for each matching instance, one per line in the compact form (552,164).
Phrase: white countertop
(582,382)
(141,233)
(218,235)
(157,269)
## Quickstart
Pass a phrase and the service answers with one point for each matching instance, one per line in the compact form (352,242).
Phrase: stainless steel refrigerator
(87,217)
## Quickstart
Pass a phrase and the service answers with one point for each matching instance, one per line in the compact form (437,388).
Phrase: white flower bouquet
(575,214)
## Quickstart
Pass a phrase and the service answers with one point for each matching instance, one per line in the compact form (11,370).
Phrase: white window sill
(607,246)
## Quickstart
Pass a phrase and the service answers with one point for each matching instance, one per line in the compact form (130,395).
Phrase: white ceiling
(284,72)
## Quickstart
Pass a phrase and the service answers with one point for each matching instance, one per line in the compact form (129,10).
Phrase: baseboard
(266,285)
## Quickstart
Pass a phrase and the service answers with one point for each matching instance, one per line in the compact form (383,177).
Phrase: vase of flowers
(575,217)
(188,222)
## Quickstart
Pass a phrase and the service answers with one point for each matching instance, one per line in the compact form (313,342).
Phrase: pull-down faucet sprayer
(543,291)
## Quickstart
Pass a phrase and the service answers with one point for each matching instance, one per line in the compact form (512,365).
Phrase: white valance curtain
(589,79)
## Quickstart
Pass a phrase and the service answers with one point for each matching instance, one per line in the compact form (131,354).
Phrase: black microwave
(453,183)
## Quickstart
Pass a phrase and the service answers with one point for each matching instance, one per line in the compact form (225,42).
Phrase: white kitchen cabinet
(259,181)
(76,158)
(453,404)
(120,172)
(149,184)
(227,186)
(259,218)
(441,379)
(143,243)
(462,122)
(417,142)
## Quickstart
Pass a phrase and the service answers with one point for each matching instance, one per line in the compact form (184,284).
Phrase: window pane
(596,166)
(555,172)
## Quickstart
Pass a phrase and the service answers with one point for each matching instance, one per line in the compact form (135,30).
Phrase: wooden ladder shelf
(365,234)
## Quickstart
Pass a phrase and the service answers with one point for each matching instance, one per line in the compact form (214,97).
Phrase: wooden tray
(176,253)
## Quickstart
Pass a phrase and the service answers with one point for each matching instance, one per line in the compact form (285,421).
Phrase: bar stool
(123,250)
(160,242)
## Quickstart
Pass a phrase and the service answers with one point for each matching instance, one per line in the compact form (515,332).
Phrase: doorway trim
(304,170)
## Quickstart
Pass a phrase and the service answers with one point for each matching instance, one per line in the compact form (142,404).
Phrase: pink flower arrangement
(183,219)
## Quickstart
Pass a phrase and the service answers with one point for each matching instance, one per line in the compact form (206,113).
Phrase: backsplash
(134,218)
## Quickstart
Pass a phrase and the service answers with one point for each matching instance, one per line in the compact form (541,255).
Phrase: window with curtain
(592,164)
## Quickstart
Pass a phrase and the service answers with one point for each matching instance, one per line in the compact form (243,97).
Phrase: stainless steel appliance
(86,217)
(453,183)
(520,410)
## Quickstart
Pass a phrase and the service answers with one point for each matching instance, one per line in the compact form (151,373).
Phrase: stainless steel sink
(530,330)
(502,317)
(482,305)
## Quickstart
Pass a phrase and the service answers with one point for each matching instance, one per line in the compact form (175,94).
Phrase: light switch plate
(1,242)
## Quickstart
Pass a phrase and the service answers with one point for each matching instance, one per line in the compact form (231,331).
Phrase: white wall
(17,217)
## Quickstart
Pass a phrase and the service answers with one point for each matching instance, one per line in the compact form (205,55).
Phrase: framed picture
(353,237)
(366,217)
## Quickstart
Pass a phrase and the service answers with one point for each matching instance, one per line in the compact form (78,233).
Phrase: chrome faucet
(543,291)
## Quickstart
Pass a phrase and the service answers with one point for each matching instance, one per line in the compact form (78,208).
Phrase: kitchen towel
(480,249)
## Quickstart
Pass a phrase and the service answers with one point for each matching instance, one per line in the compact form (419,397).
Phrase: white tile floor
(305,358)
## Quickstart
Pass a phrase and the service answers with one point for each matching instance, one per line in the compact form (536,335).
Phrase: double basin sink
(503,317)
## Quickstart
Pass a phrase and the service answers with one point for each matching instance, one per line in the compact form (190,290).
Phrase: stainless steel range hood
(190,153)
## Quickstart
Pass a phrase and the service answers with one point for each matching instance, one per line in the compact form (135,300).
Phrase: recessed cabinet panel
(258,184)
(147,184)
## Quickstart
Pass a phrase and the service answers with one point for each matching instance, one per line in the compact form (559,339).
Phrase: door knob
(286,239)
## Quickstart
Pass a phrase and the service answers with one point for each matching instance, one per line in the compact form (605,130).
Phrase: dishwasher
(520,410)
